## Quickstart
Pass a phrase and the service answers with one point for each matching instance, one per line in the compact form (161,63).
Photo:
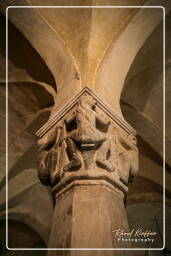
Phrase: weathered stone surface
(89,46)
(86,215)
(86,142)
(87,154)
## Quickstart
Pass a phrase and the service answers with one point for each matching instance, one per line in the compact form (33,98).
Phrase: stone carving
(86,131)
(128,160)
(107,155)
(86,138)
(44,156)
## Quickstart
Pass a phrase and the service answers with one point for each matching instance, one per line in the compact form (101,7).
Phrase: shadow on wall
(20,236)
(23,55)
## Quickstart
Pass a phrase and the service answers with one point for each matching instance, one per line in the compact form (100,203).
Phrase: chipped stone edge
(69,105)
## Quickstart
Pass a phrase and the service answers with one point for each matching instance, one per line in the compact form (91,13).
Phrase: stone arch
(42,36)
(30,220)
(119,57)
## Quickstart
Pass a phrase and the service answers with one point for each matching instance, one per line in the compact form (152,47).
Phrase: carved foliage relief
(86,138)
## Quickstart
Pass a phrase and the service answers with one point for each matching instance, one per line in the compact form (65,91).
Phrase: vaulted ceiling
(56,52)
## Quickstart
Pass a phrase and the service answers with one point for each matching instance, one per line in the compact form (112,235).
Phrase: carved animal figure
(128,163)
(84,137)
(87,131)
(85,126)
(44,146)
(107,155)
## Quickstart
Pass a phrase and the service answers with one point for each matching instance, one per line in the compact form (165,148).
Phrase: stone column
(87,154)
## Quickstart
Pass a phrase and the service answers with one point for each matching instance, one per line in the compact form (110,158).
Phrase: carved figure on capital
(86,138)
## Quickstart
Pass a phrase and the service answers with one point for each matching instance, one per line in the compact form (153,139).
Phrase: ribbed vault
(58,51)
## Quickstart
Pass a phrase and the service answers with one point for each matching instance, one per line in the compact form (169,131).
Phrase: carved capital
(86,140)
